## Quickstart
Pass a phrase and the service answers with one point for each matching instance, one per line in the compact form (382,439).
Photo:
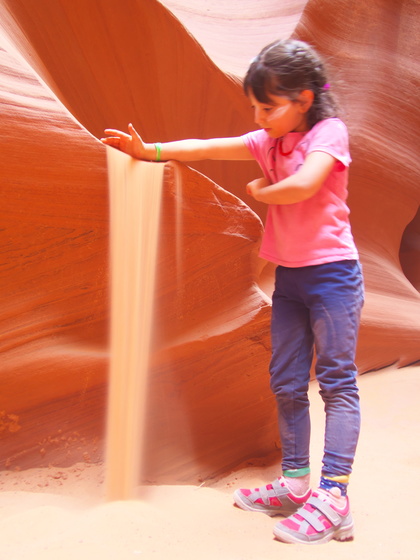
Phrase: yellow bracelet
(158,147)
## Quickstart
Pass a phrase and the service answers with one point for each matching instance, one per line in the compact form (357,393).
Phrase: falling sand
(135,195)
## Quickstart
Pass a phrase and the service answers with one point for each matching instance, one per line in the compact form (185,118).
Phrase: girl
(302,149)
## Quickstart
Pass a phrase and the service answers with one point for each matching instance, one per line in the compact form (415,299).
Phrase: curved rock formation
(71,68)
(233,32)
(373,53)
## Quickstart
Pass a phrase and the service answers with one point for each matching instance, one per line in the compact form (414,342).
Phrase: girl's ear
(305,99)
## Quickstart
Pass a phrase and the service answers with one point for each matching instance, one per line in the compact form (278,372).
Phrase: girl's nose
(257,116)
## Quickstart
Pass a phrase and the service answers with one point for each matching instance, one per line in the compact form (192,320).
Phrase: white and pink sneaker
(318,521)
(272,499)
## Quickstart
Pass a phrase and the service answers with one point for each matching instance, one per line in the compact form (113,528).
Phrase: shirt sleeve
(331,136)
(259,144)
(254,141)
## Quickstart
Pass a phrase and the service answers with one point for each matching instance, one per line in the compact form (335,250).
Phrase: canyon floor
(61,514)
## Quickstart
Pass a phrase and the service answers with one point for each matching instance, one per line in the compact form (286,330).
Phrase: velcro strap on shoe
(264,495)
(312,519)
(326,510)
(279,490)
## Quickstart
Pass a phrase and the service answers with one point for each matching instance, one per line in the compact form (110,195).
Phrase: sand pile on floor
(60,513)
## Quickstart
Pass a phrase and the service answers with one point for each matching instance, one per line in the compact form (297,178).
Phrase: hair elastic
(327,86)
(158,147)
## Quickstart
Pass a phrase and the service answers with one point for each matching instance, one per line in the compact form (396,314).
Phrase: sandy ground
(60,514)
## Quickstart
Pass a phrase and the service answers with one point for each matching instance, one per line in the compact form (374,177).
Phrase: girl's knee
(290,393)
(345,393)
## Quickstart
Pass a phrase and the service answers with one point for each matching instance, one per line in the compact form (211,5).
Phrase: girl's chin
(271,133)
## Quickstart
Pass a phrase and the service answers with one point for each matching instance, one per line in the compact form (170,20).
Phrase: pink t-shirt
(316,230)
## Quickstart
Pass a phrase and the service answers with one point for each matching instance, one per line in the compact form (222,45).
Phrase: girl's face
(281,115)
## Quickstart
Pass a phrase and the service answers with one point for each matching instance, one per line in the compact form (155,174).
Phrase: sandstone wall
(70,68)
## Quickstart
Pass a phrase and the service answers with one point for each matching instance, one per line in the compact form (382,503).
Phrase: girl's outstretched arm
(181,150)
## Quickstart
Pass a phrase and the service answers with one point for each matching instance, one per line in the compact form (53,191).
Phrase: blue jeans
(317,307)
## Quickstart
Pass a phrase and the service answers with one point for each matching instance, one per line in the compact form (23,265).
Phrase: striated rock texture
(373,52)
(53,272)
(70,68)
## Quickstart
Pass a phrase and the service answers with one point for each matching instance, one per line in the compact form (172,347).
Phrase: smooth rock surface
(69,69)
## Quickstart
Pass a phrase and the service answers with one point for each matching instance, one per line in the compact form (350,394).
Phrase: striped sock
(341,482)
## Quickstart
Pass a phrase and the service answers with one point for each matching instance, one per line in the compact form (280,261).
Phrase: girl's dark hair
(287,68)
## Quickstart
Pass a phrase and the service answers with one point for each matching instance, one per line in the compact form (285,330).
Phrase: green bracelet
(158,147)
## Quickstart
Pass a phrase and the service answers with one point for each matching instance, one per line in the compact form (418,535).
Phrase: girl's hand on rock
(130,143)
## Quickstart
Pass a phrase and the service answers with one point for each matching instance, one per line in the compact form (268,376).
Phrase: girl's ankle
(298,485)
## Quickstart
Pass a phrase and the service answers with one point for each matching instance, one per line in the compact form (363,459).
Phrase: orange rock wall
(70,68)
(373,51)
